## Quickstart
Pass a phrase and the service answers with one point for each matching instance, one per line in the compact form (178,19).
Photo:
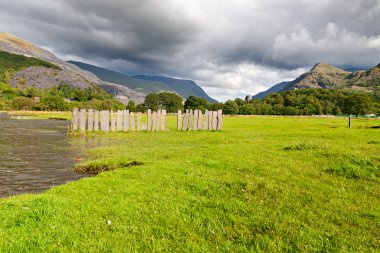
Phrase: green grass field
(263,184)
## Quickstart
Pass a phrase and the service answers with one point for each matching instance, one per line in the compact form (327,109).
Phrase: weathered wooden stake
(158,123)
(209,120)
(132,125)
(113,122)
(163,120)
(179,120)
(82,120)
(96,121)
(214,120)
(90,120)
(349,121)
(74,121)
(220,120)
(119,121)
(104,121)
(185,120)
(205,124)
(149,123)
(126,120)
(139,121)
(199,119)
(154,121)
(195,124)
(190,124)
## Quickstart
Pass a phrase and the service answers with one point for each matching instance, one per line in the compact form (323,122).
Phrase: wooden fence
(123,120)
(192,120)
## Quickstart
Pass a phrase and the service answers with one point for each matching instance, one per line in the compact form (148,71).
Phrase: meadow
(263,184)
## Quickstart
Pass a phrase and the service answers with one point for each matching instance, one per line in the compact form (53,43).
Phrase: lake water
(35,155)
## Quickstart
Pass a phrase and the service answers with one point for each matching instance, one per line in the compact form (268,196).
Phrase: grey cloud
(220,43)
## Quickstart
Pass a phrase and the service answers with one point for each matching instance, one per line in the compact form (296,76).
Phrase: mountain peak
(324,67)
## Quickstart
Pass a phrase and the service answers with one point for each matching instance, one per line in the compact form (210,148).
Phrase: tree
(196,103)
(170,101)
(239,101)
(7,77)
(131,106)
(152,101)
(23,103)
(358,104)
(230,107)
(140,108)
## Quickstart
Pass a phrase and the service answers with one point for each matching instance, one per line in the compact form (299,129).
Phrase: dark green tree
(152,101)
(230,107)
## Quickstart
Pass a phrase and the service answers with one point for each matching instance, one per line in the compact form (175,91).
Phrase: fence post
(214,120)
(104,121)
(90,121)
(154,121)
(205,124)
(113,121)
(185,120)
(199,120)
(132,125)
(82,120)
(149,123)
(190,124)
(119,120)
(179,120)
(163,120)
(74,120)
(126,120)
(209,120)
(158,123)
(195,124)
(139,121)
(220,120)
(96,121)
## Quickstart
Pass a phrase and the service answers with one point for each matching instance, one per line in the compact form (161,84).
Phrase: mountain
(326,76)
(276,88)
(183,87)
(33,66)
(146,84)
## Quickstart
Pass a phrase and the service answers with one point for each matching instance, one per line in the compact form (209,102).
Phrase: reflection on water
(35,155)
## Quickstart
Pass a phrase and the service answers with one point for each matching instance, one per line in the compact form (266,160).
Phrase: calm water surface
(35,155)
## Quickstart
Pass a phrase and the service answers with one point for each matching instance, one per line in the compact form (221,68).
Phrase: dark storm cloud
(241,46)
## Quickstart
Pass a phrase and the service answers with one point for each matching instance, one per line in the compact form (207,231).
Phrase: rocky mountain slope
(326,76)
(38,75)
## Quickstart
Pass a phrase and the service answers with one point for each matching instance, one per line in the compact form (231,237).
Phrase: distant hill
(185,88)
(146,84)
(325,76)
(276,88)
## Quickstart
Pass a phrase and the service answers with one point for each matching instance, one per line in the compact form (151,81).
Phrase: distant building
(248,98)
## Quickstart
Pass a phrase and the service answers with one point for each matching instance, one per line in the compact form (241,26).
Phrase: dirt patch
(96,168)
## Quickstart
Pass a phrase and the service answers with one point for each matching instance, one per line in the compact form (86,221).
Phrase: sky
(230,48)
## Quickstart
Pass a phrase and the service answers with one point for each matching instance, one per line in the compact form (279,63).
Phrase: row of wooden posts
(123,120)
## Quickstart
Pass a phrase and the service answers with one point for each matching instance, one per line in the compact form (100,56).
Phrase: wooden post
(82,120)
(220,120)
(154,121)
(126,121)
(113,122)
(185,120)
(96,121)
(74,120)
(119,121)
(132,125)
(158,122)
(149,123)
(199,120)
(209,127)
(349,121)
(90,121)
(195,124)
(191,116)
(139,121)
(214,120)
(163,120)
(205,125)
(104,121)
(179,120)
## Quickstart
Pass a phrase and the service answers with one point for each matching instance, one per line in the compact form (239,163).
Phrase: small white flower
(109,222)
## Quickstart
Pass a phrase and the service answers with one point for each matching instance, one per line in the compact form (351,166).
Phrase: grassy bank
(40,114)
(262,184)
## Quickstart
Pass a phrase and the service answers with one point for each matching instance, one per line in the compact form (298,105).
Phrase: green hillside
(10,63)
